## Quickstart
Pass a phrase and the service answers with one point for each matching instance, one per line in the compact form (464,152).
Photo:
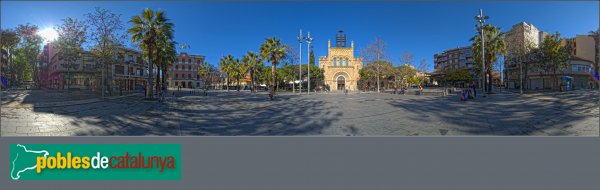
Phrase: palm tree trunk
(273,79)
(164,79)
(149,86)
(238,83)
(158,68)
(157,88)
(252,81)
(489,80)
(227,82)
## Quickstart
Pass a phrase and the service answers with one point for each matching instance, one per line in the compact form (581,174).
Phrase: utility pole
(481,20)
(520,76)
(300,38)
(308,41)
(378,74)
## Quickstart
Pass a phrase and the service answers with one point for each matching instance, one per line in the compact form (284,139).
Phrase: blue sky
(215,29)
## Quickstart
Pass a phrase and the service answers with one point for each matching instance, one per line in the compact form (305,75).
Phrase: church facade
(340,66)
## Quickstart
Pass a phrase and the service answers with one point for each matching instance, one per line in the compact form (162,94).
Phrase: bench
(432,93)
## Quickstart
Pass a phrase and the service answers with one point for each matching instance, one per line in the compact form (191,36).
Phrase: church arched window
(346,62)
(334,62)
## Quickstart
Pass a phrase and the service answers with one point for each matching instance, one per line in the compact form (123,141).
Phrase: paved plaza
(356,114)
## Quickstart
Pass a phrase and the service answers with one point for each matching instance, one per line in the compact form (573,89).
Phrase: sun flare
(49,34)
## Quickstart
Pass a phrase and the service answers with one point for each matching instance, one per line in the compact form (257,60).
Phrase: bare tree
(407,58)
(293,56)
(423,66)
(375,52)
(71,37)
(106,31)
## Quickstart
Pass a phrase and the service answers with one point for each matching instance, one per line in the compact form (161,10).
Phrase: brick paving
(356,114)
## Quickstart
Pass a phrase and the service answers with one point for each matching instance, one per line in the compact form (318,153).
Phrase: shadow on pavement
(219,114)
(506,114)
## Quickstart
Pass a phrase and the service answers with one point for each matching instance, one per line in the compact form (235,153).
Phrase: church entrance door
(341,83)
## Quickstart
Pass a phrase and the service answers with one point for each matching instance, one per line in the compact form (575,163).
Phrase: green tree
(311,59)
(317,76)
(404,74)
(23,69)
(373,72)
(495,46)
(106,32)
(30,48)
(554,55)
(9,41)
(459,75)
(69,45)
(207,73)
(273,52)
(366,75)
(416,80)
(288,73)
(146,30)
(254,63)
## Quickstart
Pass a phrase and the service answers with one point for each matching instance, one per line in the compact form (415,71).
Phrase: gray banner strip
(354,163)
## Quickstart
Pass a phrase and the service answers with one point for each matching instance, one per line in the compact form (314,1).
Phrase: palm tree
(226,66)
(167,55)
(253,62)
(147,29)
(235,68)
(495,46)
(273,51)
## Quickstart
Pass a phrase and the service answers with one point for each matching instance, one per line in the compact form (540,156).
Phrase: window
(189,76)
(176,76)
(347,62)
(176,83)
(176,67)
(580,68)
(190,67)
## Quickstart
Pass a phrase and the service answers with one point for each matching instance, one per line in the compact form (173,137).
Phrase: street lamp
(300,38)
(308,41)
(481,19)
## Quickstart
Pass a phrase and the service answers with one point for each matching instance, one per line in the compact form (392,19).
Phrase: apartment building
(521,38)
(184,72)
(127,71)
(461,57)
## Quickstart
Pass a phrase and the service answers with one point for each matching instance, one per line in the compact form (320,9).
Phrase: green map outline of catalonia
(18,175)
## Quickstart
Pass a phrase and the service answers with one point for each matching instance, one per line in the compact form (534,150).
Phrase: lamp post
(520,76)
(300,38)
(308,41)
(481,19)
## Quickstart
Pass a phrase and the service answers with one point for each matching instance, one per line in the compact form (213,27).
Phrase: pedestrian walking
(474,90)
